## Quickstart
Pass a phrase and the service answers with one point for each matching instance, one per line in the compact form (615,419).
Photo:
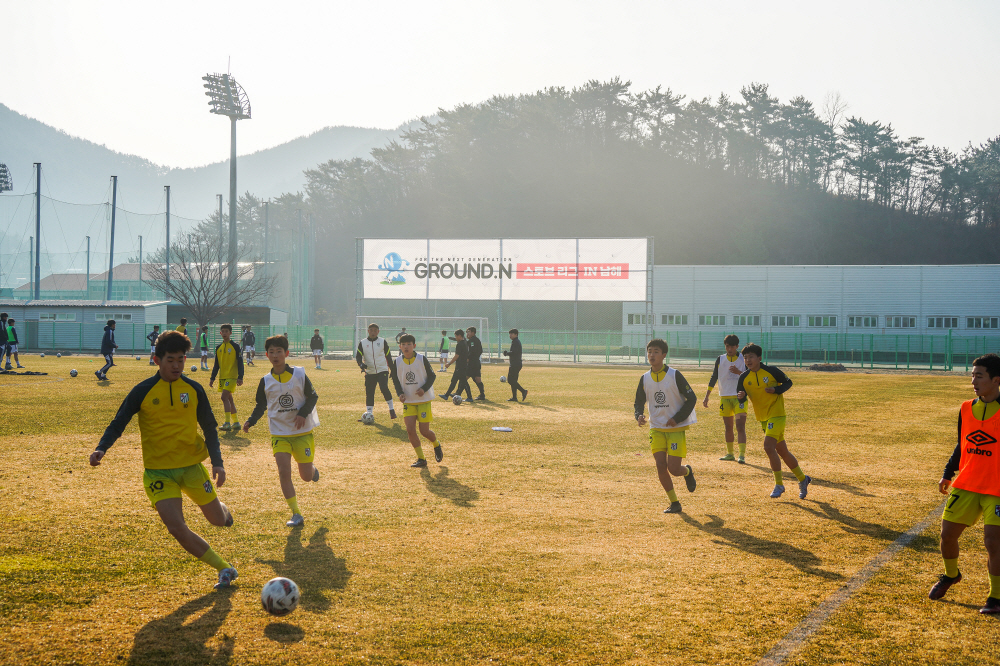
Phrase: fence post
(699,349)
(950,361)
(81,336)
(930,358)
(607,349)
(896,351)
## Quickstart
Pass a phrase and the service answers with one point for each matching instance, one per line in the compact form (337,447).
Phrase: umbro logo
(980,438)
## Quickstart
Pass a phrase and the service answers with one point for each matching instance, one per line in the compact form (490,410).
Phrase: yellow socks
(293,504)
(951,567)
(420,452)
(672,495)
(229,417)
(743,450)
(777,478)
(212,559)
(994,584)
(729,448)
(799,474)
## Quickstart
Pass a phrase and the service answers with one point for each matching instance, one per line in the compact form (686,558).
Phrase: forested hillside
(749,180)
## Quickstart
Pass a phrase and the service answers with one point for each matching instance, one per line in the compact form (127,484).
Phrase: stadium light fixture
(6,184)
(227,98)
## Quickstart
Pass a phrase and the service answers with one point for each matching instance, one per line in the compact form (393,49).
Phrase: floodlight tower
(227,98)
(6,185)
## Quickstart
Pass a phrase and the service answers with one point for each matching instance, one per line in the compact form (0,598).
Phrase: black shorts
(475,369)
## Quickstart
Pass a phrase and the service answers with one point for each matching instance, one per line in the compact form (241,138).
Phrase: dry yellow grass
(544,545)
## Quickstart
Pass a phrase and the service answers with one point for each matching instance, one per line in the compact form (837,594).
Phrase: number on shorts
(954,498)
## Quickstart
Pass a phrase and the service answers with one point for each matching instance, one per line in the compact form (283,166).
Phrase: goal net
(427,331)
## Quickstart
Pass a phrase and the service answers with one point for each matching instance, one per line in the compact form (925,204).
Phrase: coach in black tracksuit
(515,366)
(475,364)
(461,361)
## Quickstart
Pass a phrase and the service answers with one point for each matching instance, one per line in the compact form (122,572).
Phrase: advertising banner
(510,269)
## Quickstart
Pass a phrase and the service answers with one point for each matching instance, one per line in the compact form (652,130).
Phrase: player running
(461,361)
(108,347)
(728,368)
(475,364)
(976,491)
(249,342)
(765,385)
(414,383)
(229,369)
(152,343)
(375,361)
(170,409)
(671,411)
(288,397)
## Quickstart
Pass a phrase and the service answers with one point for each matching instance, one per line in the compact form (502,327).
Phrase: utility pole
(88,269)
(140,268)
(167,188)
(111,256)
(232,200)
(38,229)
(298,271)
(220,234)
(31,252)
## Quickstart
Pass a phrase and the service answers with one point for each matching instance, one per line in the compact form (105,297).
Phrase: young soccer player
(108,347)
(375,361)
(765,386)
(170,409)
(229,368)
(671,412)
(515,366)
(475,364)
(976,491)
(183,326)
(288,397)
(461,361)
(414,382)
(316,345)
(3,337)
(443,349)
(249,342)
(12,344)
(203,346)
(728,368)
(152,343)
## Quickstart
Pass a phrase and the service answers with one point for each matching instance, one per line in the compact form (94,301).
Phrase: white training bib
(411,377)
(284,402)
(665,400)
(727,380)
(373,355)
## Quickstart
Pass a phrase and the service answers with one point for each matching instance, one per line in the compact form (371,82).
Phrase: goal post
(427,331)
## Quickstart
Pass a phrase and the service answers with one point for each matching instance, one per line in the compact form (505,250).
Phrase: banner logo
(393,265)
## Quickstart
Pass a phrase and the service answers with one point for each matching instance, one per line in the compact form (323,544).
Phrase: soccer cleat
(511,399)
(295,521)
(19,365)
(777,491)
(419,462)
(226,578)
(992,606)
(96,372)
(741,460)
(236,426)
(689,480)
(804,487)
(728,456)
(481,398)
(944,583)
(151,363)
(675,507)
(446,396)
(315,474)
(392,413)
(225,426)
(524,396)
(438,453)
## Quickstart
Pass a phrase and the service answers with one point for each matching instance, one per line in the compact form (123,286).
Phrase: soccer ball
(42,355)
(194,368)
(368,418)
(457,399)
(138,358)
(73,373)
(58,355)
(280,596)
(503,379)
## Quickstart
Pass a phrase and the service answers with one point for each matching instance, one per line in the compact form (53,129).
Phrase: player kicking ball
(671,412)
(288,397)
(765,385)
(170,409)
(414,382)
(976,491)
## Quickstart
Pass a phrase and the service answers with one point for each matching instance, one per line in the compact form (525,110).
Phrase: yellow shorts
(302,447)
(732,406)
(774,428)
(965,507)
(192,480)
(673,442)
(422,410)
(227,385)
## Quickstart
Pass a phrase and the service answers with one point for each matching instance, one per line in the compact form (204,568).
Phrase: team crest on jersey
(423,415)
(184,398)
(410,376)
(307,450)
(207,486)
(285,401)
(765,380)
(156,401)
(660,398)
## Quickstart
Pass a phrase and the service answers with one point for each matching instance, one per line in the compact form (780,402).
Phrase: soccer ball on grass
(59,355)
(503,379)
(42,355)
(368,418)
(194,368)
(457,399)
(73,373)
(280,596)
(138,358)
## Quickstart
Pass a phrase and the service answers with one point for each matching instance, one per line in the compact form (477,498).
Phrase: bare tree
(202,283)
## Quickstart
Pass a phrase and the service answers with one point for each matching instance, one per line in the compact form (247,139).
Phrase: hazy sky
(128,74)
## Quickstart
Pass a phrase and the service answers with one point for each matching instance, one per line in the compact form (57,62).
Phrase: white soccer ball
(194,368)
(503,379)
(280,596)
(42,355)
(58,355)
(368,418)
(457,399)
(73,373)
(138,358)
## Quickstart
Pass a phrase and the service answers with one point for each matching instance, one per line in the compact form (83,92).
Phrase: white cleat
(777,491)
(296,521)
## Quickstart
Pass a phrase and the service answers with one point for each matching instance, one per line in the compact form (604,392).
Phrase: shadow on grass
(922,543)
(542,407)
(797,557)
(233,442)
(285,633)
(974,607)
(823,483)
(314,568)
(450,489)
(395,431)
(176,640)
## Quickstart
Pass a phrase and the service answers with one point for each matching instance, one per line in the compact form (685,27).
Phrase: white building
(822,299)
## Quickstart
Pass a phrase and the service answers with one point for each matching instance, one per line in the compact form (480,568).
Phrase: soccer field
(545,545)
